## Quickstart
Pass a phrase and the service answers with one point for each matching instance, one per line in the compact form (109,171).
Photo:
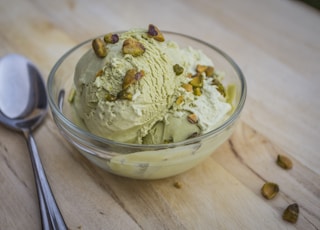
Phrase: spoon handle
(45,221)
(49,210)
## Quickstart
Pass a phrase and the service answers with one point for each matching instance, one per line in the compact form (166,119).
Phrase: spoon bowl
(23,100)
(23,105)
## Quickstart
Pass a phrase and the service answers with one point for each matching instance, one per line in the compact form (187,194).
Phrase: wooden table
(276,44)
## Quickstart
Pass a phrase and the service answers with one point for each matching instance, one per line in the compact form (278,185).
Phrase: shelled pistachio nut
(155,33)
(269,190)
(291,213)
(99,47)
(133,47)
(284,162)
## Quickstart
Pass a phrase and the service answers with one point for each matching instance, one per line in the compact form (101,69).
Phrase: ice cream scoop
(142,89)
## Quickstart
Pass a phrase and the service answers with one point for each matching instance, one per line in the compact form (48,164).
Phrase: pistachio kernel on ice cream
(99,73)
(219,86)
(197,91)
(192,118)
(178,69)
(187,87)
(111,38)
(133,46)
(110,97)
(179,100)
(99,47)
(155,33)
(197,81)
(201,68)
(208,70)
(132,76)
(125,95)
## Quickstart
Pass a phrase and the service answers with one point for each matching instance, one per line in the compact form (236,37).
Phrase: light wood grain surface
(277,45)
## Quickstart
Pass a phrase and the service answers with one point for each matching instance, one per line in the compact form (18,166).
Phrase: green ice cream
(147,96)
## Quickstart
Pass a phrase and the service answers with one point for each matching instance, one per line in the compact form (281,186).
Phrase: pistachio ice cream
(138,87)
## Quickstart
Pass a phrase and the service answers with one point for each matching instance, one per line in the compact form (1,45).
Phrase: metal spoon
(23,105)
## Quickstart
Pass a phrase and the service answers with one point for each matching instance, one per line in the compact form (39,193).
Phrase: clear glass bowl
(134,160)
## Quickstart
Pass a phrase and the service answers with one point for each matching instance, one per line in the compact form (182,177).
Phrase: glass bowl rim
(230,120)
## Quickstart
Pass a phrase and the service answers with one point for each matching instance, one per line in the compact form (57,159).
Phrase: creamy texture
(152,116)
